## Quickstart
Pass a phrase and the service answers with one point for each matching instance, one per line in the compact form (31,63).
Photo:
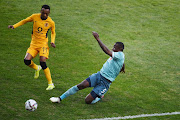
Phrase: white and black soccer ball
(31,105)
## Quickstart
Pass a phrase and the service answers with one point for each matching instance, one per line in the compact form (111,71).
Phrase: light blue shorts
(100,84)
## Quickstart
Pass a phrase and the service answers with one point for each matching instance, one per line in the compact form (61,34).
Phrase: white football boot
(55,99)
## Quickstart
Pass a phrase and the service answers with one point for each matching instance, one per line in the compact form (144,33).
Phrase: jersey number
(44,50)
(39,29)
(103,91)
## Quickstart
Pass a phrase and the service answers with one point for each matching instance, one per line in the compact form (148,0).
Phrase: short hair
(46,7)
(120,45)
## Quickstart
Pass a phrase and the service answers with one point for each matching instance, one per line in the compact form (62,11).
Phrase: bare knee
(88,101)
(83,84)
(43,59)
(89,98)
(28,56)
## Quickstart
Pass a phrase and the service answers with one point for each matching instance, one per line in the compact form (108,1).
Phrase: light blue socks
(72,91)
(69,92)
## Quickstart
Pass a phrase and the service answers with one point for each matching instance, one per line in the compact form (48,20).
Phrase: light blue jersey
(112,66)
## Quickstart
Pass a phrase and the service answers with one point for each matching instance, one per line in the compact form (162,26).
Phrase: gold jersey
(40,29)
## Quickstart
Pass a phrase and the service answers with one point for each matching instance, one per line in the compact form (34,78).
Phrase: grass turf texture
(149,30)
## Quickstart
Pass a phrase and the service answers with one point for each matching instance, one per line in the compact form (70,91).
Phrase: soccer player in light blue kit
(101,80)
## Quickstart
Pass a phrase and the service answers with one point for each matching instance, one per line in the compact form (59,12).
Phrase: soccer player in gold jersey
(42,23)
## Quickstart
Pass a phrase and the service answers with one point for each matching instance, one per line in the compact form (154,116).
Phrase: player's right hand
(53,45)
(123,69)
(11,26)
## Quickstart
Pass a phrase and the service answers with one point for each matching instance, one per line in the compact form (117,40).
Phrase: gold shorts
(43,51)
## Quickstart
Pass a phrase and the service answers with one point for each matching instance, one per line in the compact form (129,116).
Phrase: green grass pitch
(148,28)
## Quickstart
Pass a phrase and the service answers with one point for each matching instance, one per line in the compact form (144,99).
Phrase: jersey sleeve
(24,21)
(53,33)
(116,55)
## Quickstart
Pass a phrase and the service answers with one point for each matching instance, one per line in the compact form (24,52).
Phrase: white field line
(136,116)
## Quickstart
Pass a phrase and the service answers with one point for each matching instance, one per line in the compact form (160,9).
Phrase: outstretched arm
(22,22)
(104,48)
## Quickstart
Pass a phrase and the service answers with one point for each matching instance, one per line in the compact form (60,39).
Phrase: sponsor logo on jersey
(46,24)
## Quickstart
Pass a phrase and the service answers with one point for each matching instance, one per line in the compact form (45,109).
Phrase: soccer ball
(31,105)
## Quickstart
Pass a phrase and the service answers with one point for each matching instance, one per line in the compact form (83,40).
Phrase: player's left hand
(95,34)
(53,45)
